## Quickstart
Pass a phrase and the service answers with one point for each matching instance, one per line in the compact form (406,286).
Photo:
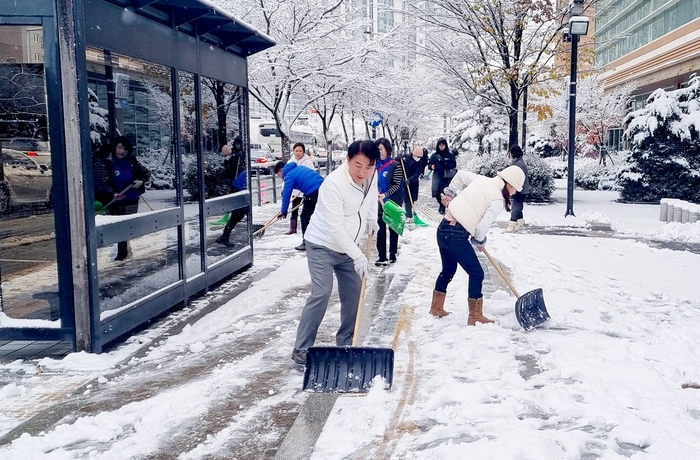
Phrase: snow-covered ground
(604,379)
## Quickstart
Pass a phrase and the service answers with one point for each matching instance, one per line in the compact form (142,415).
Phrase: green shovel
(393,215)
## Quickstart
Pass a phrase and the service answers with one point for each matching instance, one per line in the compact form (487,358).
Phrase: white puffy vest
(470,205)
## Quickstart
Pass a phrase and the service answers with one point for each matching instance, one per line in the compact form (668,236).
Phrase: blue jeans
(455,248)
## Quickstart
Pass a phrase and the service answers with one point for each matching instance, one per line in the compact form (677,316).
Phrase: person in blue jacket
(304,179)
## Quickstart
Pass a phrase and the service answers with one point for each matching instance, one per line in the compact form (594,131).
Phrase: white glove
(372,227)
(361,266)
(478,244)
(138,183)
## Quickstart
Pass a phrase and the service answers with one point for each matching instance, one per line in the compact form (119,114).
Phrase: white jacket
(342,212)
(479,203)
(305,161)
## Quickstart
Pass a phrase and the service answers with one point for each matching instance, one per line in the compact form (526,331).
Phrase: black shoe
(301,247)
(392,260)
(225,241)
(299,356)
(381,262)
(120,257)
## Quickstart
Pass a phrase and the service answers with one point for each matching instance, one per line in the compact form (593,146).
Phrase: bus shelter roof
(203,20)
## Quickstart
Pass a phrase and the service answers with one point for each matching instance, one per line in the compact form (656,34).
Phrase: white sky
(603,380)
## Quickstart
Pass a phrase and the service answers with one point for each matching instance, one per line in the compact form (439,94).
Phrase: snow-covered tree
(596,113)
(664,161)
(479,127)
(315,40)
(99,127)
(499,46)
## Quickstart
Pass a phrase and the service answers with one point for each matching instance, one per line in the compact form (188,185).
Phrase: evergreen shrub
(664,161)
(539,172)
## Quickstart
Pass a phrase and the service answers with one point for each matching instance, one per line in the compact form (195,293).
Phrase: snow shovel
(393,216)
(416,220)
(259,230)
(530,309)
(348,369)
(222,221)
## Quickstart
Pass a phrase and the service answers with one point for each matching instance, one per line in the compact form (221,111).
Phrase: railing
(264,182)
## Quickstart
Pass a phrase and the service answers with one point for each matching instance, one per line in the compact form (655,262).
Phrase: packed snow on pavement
(611,375)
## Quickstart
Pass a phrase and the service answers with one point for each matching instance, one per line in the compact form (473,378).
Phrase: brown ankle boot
(436,308)
(476,307)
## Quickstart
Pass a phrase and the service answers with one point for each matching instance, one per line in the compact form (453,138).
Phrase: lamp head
(565,35)
(578,25)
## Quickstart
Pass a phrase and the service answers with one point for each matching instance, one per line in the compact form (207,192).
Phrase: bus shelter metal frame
(193,36)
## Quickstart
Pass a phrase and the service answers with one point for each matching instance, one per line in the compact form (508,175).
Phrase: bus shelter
(171,77)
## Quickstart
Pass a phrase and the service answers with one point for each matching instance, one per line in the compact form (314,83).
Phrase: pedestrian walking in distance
(443,164)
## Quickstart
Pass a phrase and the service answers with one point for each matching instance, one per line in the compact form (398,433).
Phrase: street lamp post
(578,25)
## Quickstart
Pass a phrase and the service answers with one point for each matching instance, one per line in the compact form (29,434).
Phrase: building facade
(655,43)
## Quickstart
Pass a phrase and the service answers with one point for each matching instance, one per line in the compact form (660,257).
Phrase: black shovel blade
(347,369)
(530,309)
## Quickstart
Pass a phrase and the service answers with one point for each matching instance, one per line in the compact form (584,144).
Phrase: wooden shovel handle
(276,217)
(361,303)
(500,272)
(403,168)
(121,193)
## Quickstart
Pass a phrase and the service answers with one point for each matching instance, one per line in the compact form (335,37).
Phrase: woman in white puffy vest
(467,220)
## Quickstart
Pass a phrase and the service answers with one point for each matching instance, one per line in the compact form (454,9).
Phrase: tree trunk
(513,115)
(220,97)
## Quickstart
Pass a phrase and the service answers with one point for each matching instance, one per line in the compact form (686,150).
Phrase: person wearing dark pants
(517,222)
(307,181)
(390,185)
(235,173)
(444,167)
(119,179)
(467,220)
(414,165)
(346,211)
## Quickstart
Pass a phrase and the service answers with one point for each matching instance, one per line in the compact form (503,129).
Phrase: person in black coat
(444,166)
(235,173)
(517,222)
(414,164)
(120,180)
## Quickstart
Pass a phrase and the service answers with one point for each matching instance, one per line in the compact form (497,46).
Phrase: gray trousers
(323,262)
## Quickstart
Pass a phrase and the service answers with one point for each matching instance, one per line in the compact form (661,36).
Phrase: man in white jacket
(346,210)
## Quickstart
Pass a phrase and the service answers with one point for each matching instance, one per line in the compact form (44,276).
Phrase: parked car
(38,150)
(262,158)
(23,181)
(321,158)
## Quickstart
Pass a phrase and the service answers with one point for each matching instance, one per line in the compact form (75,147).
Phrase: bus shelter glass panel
(151,265)
(141,112)
(190,174)
(28,268)
(223,118)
